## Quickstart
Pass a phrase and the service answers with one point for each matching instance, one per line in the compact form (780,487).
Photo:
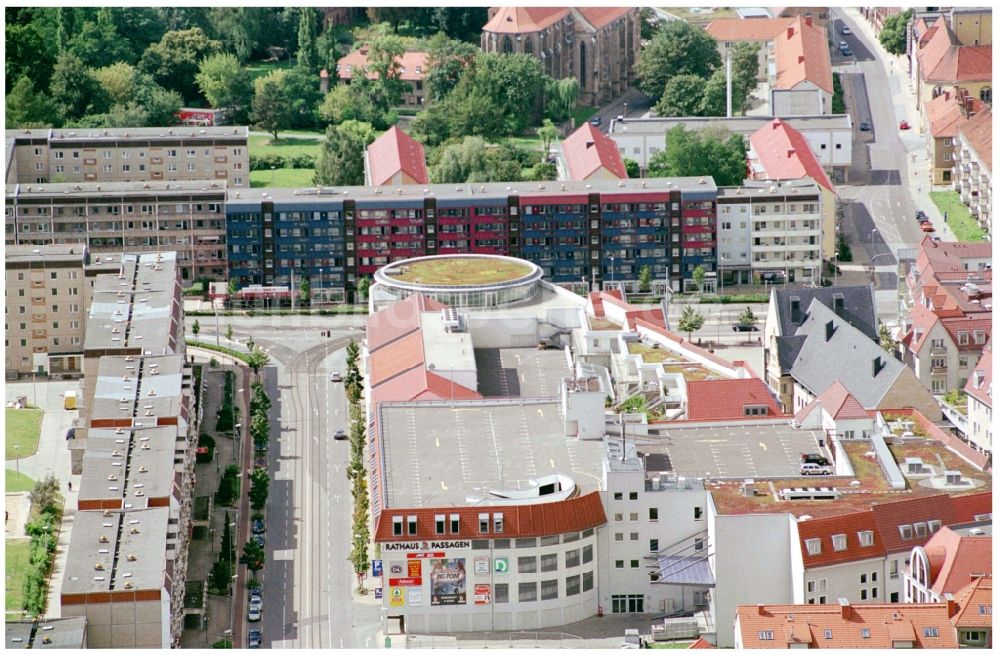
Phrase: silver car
(255,610)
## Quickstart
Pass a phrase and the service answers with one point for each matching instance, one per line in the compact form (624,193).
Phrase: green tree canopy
(713,99)
(560,97)
(718,154)
(74,90)
(893,34)
(384,61)
(690,321)
(446,61)
(307,56)
(225,84)
(98,44)
(26,107)
(682,96)
(341,160)
(119,81)
(271,109)
(28,53)
(173,60)
(678,48)
(360,100)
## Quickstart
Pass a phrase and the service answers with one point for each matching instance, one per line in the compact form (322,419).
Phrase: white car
(846,31)
(335,377)
(255,610)
(809,468)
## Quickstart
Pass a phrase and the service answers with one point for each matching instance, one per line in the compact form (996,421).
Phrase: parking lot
(751,450)
(520,372)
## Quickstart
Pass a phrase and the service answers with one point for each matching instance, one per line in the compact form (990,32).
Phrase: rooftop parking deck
(520,372)
(440,453)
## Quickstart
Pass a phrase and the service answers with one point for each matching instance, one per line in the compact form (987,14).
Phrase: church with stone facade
(597,45)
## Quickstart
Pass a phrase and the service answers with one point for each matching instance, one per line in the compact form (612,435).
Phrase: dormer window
(439,524)
(484,522)
(979,337)
(906,531)
(454,523)
(411,524)
(866,538)
(397,526)
(839,542)
(963,338)
(920,529)
(813,546)
(498,522)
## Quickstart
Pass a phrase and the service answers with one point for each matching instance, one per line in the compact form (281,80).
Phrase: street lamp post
(871,237)
(612,269)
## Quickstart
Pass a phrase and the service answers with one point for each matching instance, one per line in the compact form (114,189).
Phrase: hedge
(219,349)
(738,298)
(267,162)
(339,309)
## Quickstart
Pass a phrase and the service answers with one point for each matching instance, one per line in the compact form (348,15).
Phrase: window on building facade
(527,564)
(501,593)
(550,589)
(839,541)
(550,562)
(527,592)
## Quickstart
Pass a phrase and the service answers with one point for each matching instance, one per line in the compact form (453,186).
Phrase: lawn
(701,14)
(961,222)
(286,147)
(264,67)
(670,644)
(17,482)
(282,177)
(23,428)
(866,470)
(526,142)
(463,270)
(652,355)
(582,114)
(16,556)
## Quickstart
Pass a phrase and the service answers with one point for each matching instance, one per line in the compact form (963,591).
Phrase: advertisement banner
(378,593)
(395,569)
(424,555)
(376,568)
(448,581)
(397,597)
(405,582)
(482,566)
(500,565)
(413,568)
(416,597)
(482,594)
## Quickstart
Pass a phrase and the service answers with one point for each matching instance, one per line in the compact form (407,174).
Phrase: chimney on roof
(802,59)
(838,303)
(791,152)
(760,610)
(877,366)
(776,123)
(809,21)
(952,605)
(795,309)
(845,608)
(590,144)
(830,329)
(791,32)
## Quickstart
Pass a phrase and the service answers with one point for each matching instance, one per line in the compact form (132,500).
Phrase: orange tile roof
(786,155)
(601,16)
(413,65)
(518,20)
(700,643)
(393,152)
(978,133)
(810,624)
(726,399)
(528,520)
(848,525)
(396,357)
(954,558)
(945,114)
(741,29)
(966,508)
(801,55)
(889,516)
(398,319)
(587,149)
(969,599)
(840,404)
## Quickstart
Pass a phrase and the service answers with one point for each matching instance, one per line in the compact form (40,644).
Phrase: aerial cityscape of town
(498,327)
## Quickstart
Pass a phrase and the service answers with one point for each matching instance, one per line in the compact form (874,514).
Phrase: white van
(809,468)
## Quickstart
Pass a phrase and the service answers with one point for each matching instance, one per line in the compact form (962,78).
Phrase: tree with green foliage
(645,277)
(341,160)
(690,321)
(259,402)
(161,104)
(893,34)
(548,133)
(26,107)
(718,154)
(257,359)
(119,81)
(698,276)
(472,161)
(195,328)
(260,430)
(98,44)
(385,61)
(28,54)
(446,61)
(173,60)
(45,494)
(253,557)
(307,56)
(677,48)
(747,318)
(361,100)
(229,485)
(74,90)
(540,172)
(363,285)
(220,576)
(432,126)
(713,98)
(885,338)
(271,109)
(226,84)
(631,167)
(258,489)
(682,96)
(844,253)
(229,332)
(465,23)
(305,97)
(746,67)
(561,97)
(228,543)
(305,290)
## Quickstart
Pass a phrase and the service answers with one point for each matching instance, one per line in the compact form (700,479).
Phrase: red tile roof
(601,16)
(785,154)
(889,516)
(808,624)
(846,524)
(398,319)
(840,404)
(413,65)
(396,357)
(586,150)
(700,643)
(726,399)
(945,114)
(741,29)
(519,20)
(527,520)
(966,508)
(980,383)
(969,598)
(962,63)
(393,152)
(954,558)
(801,55)
(978,133)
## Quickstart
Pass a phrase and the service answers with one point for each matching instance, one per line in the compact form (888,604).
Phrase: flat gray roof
(149,284)
(520,372)
(69,252)
(119,389)
(48,633)
(83,190)
(737,449)
(140,461)
(18,634)
(738,124)
(762,188)
(449,453)
(143,535)
(129,133)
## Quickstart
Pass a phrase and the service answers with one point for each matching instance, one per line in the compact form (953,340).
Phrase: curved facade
(490,294)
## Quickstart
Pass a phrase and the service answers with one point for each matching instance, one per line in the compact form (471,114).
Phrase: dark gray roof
(676,569)
(847,356)
(858,310)
(788,350)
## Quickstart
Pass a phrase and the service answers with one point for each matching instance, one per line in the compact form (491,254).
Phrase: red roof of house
(945,114)
(518,20)
(601,16)
(788,625)
(398,319)
(840,404)
(785,154)
(978,133)
(980,383)
(413,65)
(966,508)
(890,516)
(849,525)
(586,150)
(969,599)
(597,299)
(700,643)
(943,59)
(801,55)
(527,520)
(726,399)
(393,152)
(954,558)
(741,29)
